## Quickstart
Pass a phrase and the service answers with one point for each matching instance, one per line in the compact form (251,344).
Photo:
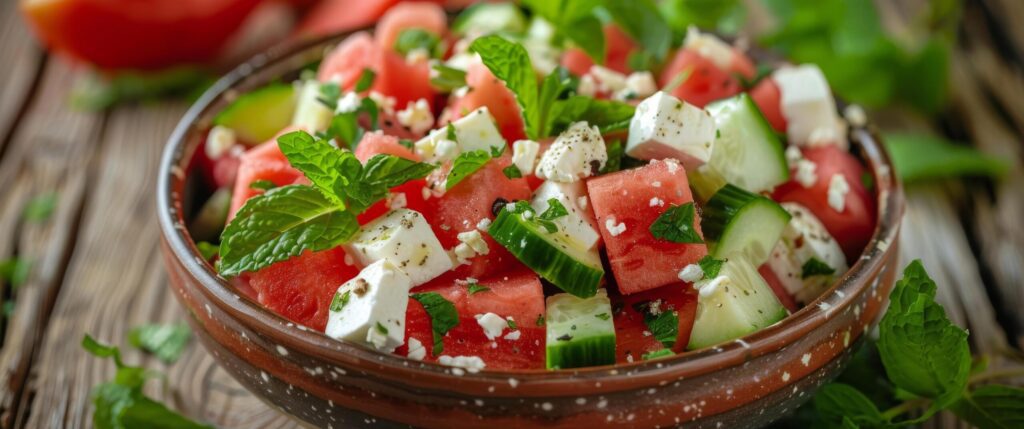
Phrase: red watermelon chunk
(428,17)
(632,336)
(618,48)
(263,162)
(410,192)
(638,260)
(301,288)
(487,90)
(702,81)
(376,143)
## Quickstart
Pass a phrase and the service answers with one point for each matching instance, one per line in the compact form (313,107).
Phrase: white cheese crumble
(475,240)
(582,202)
(483,224)
(219,140)
(472,364)
(805,173)
(708,288)
(348,103)
(384,102)
(492,324)
(657,202)
(638,85)
(417,116)
(793,155)
(691,273)
(656,184)
(416,349)
(613,228)
(855,115)
(587,86)
(397,201)
(578,152)
(513,336)
(608,80)
(837,190)
(524,155)
(710,47)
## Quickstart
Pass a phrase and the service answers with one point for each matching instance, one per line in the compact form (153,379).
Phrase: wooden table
(96,267)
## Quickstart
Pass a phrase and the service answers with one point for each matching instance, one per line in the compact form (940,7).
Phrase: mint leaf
(662,322)
(512,172)
(919,157)
(365,81)
(642,20)
(474,288)
(443,316)
(992,406)
(815,267)
(675,224)
(330,93)
(710,266)
(512,324)
(280,224)
(509,62)
(40,207)
(387,171)
(167,342)
(554,211)
(99,349)
(657,354)
(262,185)
(447,78)
(615,151)
(15,271)
(722,15)
(836,401)
(588,34)
(574,20)
(412,39)
(923,352)
(340,300)
(330,170)
(208,250)
(147,413)
(464,165)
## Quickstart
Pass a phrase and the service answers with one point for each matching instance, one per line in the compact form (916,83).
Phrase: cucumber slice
(553,255)
(704,182)
(747,152)
(258,115)
(737,221)
(580,331)
(212,216)
(489,18)
(730,309)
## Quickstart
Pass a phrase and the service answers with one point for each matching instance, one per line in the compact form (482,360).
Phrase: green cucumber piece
(747,152)
(210,220)
(704,182)
(580,331)
(553,255)
(737,221)
(742,305)
(484,18)
(258,115)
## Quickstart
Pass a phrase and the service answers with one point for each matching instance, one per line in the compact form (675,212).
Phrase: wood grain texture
(22,60)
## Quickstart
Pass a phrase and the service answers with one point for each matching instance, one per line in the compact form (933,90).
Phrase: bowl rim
(609,378)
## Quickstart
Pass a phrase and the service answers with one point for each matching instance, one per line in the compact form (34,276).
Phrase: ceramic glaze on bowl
(327,383)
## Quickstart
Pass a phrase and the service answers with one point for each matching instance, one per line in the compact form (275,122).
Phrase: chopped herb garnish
(540,320)
(512,172)
(447,78)
(615,152)
(365,81)
(710,266)
(664,325)
(443,316)
(603,316)
(657,354)
(15,271)
(166,342)
(340,300)
(207,249)
(406,143)
(450,133)
(464,165)
(40,207)
(676,225)
(815,267)
(382,329)
(512,324)
(262,185)
(412,39)
(474,288)
(554,211)
(330,93)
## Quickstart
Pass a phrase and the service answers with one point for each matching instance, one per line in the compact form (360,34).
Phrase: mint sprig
(465,165)
(642,20)
(166,342)
(663,323)
(443,316)
(675,224)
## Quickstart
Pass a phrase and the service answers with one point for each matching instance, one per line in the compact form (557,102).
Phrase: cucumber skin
(744,104)
(253,106)
(582,352)
(727,205)
(576,278)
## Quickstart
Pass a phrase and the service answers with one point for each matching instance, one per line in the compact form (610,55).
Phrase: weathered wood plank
(22,60)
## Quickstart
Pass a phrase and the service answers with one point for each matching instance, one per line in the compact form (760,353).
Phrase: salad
(497,194)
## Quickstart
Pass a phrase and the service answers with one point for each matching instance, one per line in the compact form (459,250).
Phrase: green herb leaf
(167,342)
(574,20)
(382,329)
(512,172)
(603,316)
(815,267)
(40,207)
(340,300)
(99,349)
(443,316)
(509,62)
(837,400)
(540,320)
(512,324)
(923,352)
(725,16)
(664,325)
(554,211)
(344,128)
(587,33)
(386,171)
(330,93)
(450,133)
(365,81)
(642,20)
(15,271)
(447,78)
(147,413)
(474,288)
(657,354)
(330,170)
(464,165)
(920,157)
(992,406)
(280,224)
(676,225)
(412,39)
(208,250)
(710,266)
(615,151)
(262,185)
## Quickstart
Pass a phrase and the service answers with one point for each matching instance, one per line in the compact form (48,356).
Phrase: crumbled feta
(416,349)
(656,184)
(384,103)
(471,244)
(403,237)
(807,104)
(513,336)
(587,86)
(372,307)
(492,324)
(613,228)
(837,190)
(348,103)
(417,116)
(855,115)
(524,154)
(219,140)
(638,85)
(804,238)
(310,114)
(710,47)
(665,127)
(708,287)
(691,273)
(576,223)
(483,224)
(805,173)
(582,202)
(472,364)
(793,155)
(657,202)
(578,152)
(417,55)
(397,201)
(608,80)
(477,130)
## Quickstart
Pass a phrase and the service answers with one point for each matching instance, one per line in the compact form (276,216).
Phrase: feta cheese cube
(370,308)
(310,114)
(417,116)
(524,155)
(579,152)
(666,127)
(471,244)
(475,131)
(492,324)
(638,85)
(804,238)
(576,224)
(403,237)
(710,47)
(809,108)
(219,140)
(608,80)
(837,190)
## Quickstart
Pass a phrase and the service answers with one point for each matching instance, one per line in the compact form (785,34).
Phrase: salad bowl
(328,383)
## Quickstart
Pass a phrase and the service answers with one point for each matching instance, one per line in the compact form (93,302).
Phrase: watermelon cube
(263,162)
(633,337)
(301,288)
(626,203)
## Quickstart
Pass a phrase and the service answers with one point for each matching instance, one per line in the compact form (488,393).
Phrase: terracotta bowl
(744,383)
